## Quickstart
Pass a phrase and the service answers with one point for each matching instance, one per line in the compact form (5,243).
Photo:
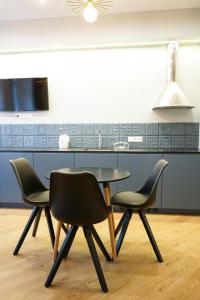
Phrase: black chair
(76,199)
(138,201)
(35,194)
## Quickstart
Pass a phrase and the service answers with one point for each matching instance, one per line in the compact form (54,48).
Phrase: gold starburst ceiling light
(89,8)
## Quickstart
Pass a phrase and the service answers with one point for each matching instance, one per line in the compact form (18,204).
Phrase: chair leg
(150,235)
(70,240)
(95,259)
(100,244)
(120,223)
(65,248)
(127,218)
(37,220)
(50,225)
(26,229)
(65,228)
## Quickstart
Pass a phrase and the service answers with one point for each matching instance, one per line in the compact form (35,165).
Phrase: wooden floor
(135,275)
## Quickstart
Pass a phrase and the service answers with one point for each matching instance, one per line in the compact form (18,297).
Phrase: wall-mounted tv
(24,94)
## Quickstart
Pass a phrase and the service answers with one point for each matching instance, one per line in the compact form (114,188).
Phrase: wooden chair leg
(36,223)
(55,250)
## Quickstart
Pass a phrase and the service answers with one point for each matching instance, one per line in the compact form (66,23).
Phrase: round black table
(104,176)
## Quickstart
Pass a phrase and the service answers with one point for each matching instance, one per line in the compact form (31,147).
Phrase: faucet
(99,139)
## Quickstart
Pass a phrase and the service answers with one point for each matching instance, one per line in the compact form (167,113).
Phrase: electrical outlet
(135,139)
(24,115)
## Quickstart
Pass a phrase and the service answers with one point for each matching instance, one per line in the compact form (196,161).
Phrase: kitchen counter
(102,150)
(179,188)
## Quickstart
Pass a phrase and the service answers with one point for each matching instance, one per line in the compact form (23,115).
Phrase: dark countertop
(103,150)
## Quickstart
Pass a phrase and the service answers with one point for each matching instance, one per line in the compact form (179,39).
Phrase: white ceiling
(35,9)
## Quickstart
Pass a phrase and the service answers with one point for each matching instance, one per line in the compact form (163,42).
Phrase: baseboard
(13,205)
(168,211)
(117,209)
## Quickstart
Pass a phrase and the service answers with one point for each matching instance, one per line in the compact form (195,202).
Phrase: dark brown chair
(34,193)
(137,201)
(76,199)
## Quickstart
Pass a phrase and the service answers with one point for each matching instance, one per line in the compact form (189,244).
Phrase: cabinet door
(47,162)
(140,166)
(181,182)
(9,188)
(107,160)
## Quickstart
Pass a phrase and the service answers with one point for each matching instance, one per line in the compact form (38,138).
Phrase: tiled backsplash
(155,135)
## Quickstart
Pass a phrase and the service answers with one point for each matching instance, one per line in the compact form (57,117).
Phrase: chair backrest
(27,178)
(150,187)
(75,198)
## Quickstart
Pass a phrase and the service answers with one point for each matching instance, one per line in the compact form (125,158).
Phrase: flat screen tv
(24,94)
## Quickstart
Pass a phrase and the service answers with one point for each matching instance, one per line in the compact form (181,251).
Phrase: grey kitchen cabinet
(107,160)
(140,166)
(181,182)
(47,162)
(9,189)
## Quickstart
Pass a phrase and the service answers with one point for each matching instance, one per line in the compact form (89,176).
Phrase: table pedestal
(111,224)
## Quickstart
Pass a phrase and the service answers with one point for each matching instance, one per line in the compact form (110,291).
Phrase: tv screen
(24,94)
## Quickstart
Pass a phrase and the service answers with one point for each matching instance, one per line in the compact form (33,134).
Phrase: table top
(102,175)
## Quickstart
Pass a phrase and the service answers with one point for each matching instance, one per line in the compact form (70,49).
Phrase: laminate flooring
(135,275)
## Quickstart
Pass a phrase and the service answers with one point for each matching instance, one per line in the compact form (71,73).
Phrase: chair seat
(129,199)
(39,199)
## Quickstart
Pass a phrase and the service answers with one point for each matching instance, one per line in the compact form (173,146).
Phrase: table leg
(57,238)
(55,250)
(112,214)
(106,187)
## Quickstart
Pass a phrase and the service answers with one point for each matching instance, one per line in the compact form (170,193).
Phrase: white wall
(122,28)
(104,85)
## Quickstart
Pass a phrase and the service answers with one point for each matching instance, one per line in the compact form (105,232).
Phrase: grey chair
(137,201)
(76,199)
(34,193)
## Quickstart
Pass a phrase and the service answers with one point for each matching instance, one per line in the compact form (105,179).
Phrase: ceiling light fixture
(89,8)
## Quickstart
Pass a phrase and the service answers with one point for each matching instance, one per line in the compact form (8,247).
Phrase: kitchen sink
(96,149)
